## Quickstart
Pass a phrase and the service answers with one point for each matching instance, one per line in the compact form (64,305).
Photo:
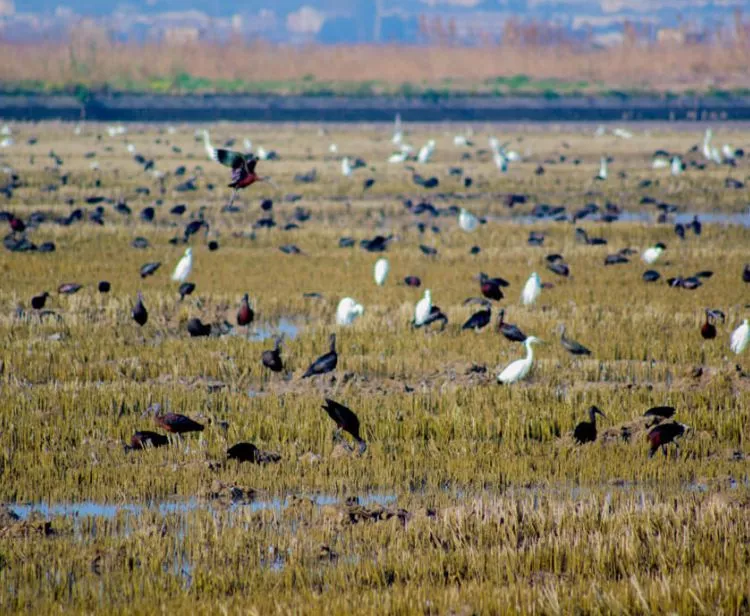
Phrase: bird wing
(229,158)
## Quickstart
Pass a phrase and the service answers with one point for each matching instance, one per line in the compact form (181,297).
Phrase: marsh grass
(505,513)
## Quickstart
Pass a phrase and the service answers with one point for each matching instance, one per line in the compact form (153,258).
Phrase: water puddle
(266,331)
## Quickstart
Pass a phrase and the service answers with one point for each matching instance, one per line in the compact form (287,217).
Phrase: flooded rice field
(414,369)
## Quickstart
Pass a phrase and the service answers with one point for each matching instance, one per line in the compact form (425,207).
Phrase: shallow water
(268,331)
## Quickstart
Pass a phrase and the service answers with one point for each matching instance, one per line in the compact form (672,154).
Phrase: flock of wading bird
(243,174)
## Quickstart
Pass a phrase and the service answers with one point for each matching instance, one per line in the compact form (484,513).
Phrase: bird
(422,309)
(490,287)
(559,267)
(104,286)
(148,269)
(140,314)
(708,329)
(659,413)
(426,151)
(479,319)
(247,452)
(531,290)
(197,329)
(345,420)
(652,254)
(585,432)
(651,276)
(740,337)
(746,273)
(245,314)
(325,363)
(38,301)
(186,288)
(177,423)
(69,288)
(467,221)
(184,266)
(271,358)
(679,230)
(243,168)
(602,175)
(676,166)
(382,267)
(572,346)
(510,331)
(519,369)
(347,311)
(143,439)
(663,434)
(412,281)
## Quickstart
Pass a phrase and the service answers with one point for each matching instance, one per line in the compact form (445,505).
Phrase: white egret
(207,144)
(501,161)
(333,148)
(467,221)
(382,267)
(426,151)
(519,369)
(262,153)
(740,338)
(6,130)
(651,255)
(247,144)
(398,134)
(660,163)
(398,157)
(728,153)
(423,309)
(7,142)
(676,165)
(622,133)
(602,175)
(184,267)
(531,290)
(347,311)
(707,144)
(346,167)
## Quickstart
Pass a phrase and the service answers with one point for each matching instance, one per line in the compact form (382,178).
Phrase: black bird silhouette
(177,423)
(197,329)
(325,363)
(479,319)
(651,276)
(271,358)
(186,288)
(412,281)
(345,420)
(104,286)
(148,269)
(38,301)
(140,314)
(490,287)
(679,230)
(290,249)
(428,250)
(144,439)
(510,331)
(659,413)
(247,452)
(696,226)
(746,273)
(245,314)
(559,267)
(585,432)
(708,329)
(660,436)
(572,346)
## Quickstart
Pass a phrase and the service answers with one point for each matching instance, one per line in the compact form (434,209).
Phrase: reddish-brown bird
(243,169)
(145,438)
(245,314)
(177,424)
(663,434)
(271,358)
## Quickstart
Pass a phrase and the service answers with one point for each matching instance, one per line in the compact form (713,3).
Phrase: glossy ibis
(559,267)
(186,288)
(585,432)
(659,413)
(708,329)
(651,276)
(345,420)
(696,226)
(740,337)
(197,329)
(412,281)
(325,363)
(679,230)
(247,452)
(271,358)
(144,439)
(243,169)
(69,288)
(510,331)
(519,369)
(382,267)
(490,287)
(652,254)
(531,290)
(347,311)
(175,423)
(148,269)
(184,266)
(245,314)
(139,313)
(38,301)
(571,346)
(746,273)
(661,435)
(479,319)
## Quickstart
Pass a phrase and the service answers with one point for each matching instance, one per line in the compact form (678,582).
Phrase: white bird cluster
(114,131)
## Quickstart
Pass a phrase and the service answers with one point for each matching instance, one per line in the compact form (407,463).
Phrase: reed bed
(471,497)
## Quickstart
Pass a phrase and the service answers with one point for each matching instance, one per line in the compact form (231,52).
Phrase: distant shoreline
(278,108)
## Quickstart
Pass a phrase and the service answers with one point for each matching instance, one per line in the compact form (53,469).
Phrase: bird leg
(232,198)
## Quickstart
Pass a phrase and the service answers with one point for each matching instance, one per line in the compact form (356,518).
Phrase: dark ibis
(659,414)
(38,301)
(679,230)
(186,288)
(746,273)
(325,363)
(243,169)
(245,314)
(651,276)
(559,267)
(16,224)
(428,250)
(696,226)
(197,329)
(148,269)
(143,439)
(177,423)
(271,358)
(69,288)
(247,452)
(661,435)
(412,281)
(104,286)
(345,420)
(585,432)
(290,249)
(510,331)
(708,329)
(490,287)
(140,314)
(536,238)
(571,346)
(480,319)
